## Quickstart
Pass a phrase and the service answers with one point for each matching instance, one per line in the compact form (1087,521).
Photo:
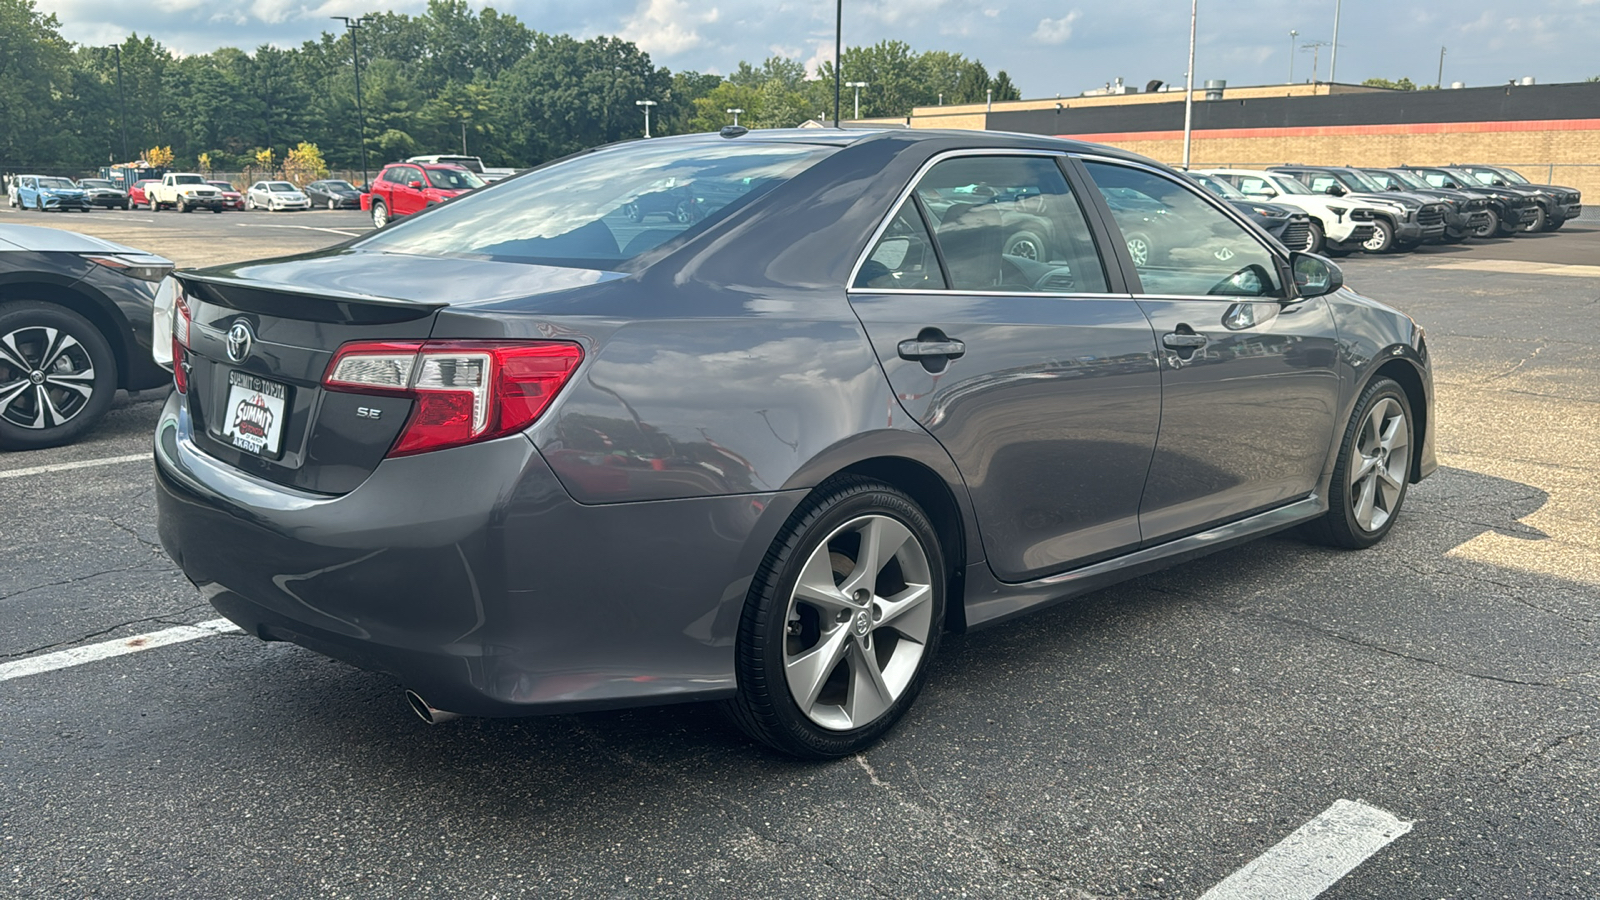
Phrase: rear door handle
(948,349)
(1180,341)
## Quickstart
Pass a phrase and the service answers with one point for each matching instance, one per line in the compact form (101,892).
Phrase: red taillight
(180,344)
(465,391)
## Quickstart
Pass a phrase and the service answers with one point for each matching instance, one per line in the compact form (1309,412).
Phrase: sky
(1046,48)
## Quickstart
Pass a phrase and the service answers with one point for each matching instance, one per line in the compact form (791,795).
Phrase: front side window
(1009,223)
(1181,244)
(599,209)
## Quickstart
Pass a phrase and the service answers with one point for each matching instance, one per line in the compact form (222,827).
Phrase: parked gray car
(530,455)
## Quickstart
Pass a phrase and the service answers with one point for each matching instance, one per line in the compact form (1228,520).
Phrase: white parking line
(305,227)
(77,656)
(80,464)
(1315,856)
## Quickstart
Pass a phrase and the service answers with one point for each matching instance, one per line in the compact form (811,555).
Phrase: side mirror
(414,184)
(1314,275)
(1335,190)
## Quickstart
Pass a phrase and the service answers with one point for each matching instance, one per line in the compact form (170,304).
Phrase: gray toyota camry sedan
(541,449)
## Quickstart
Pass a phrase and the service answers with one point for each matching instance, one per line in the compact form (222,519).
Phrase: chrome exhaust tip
(427,713)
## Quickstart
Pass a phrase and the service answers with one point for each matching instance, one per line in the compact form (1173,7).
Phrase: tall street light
(646,104)
(858,85)
(1188,85)
(1437,84)
(1292,35)
(1333,57)
(838,55)
(122,105)
(351,24)
(735,111)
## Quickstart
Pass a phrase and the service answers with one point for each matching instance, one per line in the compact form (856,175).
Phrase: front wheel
(1489,228)
(841,622)
(1541,219)
(1374,468)
(57,375)
(380,214)
(331,205)
(1382,240)
(1027,245)
(1139,247)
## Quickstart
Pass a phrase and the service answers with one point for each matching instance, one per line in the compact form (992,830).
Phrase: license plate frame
(255,415)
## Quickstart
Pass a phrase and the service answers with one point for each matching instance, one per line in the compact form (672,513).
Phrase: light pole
(1292,35)
(858,85)
(351,24)
(646,104)
(122,107)
(1188,84)
(838,55)
(1437,84)
(1333,57)
(735,111)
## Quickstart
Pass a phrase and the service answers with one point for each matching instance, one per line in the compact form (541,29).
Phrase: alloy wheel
(46,377)
(1378,481)
(1139,249)
(858,623)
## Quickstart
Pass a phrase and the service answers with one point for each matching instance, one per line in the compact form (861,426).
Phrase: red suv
(405,188)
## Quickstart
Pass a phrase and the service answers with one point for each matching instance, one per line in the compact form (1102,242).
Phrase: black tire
(1507,229)
(380,214)
(216,209)
(1316,238)
(1027,245)
(25,422)
(124,206)
(1554,224)
(1490,228)
(184,207)
(1382,240)
(764,706)
(1341,525)
(1541,220)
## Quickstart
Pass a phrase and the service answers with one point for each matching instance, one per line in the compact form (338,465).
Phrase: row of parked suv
(1343,209)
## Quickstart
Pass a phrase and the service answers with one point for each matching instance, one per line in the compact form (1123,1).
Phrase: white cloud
(1056,31)
(667,27)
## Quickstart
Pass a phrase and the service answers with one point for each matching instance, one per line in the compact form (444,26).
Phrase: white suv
(1339,225)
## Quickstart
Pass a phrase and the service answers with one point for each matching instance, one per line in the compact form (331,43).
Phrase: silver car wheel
(46,377)
(1139,250)
(858,623)
(1378,482)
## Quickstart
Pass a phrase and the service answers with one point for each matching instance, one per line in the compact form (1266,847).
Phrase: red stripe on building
(1346,130)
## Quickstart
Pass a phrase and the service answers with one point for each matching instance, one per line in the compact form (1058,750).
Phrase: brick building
(1550,133)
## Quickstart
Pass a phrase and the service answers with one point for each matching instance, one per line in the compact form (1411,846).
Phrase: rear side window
(600,209)
(1009,224)
(903,258)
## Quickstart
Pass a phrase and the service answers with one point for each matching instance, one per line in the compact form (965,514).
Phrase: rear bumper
(472,576)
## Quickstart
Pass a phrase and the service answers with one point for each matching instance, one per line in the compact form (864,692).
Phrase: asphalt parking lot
(1144,742)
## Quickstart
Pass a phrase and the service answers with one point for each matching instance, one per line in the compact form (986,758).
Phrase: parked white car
(1339,225)
(275,195)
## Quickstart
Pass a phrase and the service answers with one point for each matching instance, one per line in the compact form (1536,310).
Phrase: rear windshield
(599,209)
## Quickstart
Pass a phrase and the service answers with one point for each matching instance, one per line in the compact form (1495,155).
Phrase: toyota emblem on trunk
(240,338)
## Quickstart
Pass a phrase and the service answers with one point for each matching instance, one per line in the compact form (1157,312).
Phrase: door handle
(947,349)
(1180,341)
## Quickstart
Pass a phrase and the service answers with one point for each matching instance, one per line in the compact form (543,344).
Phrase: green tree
(1403,84)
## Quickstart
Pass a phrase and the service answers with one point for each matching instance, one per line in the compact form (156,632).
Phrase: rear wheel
(1025,244)
(57,375)
(1373,471)
(380,214)
(841,623)
(1139,247)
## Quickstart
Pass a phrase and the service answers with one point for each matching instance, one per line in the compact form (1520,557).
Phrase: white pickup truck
(185,192)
